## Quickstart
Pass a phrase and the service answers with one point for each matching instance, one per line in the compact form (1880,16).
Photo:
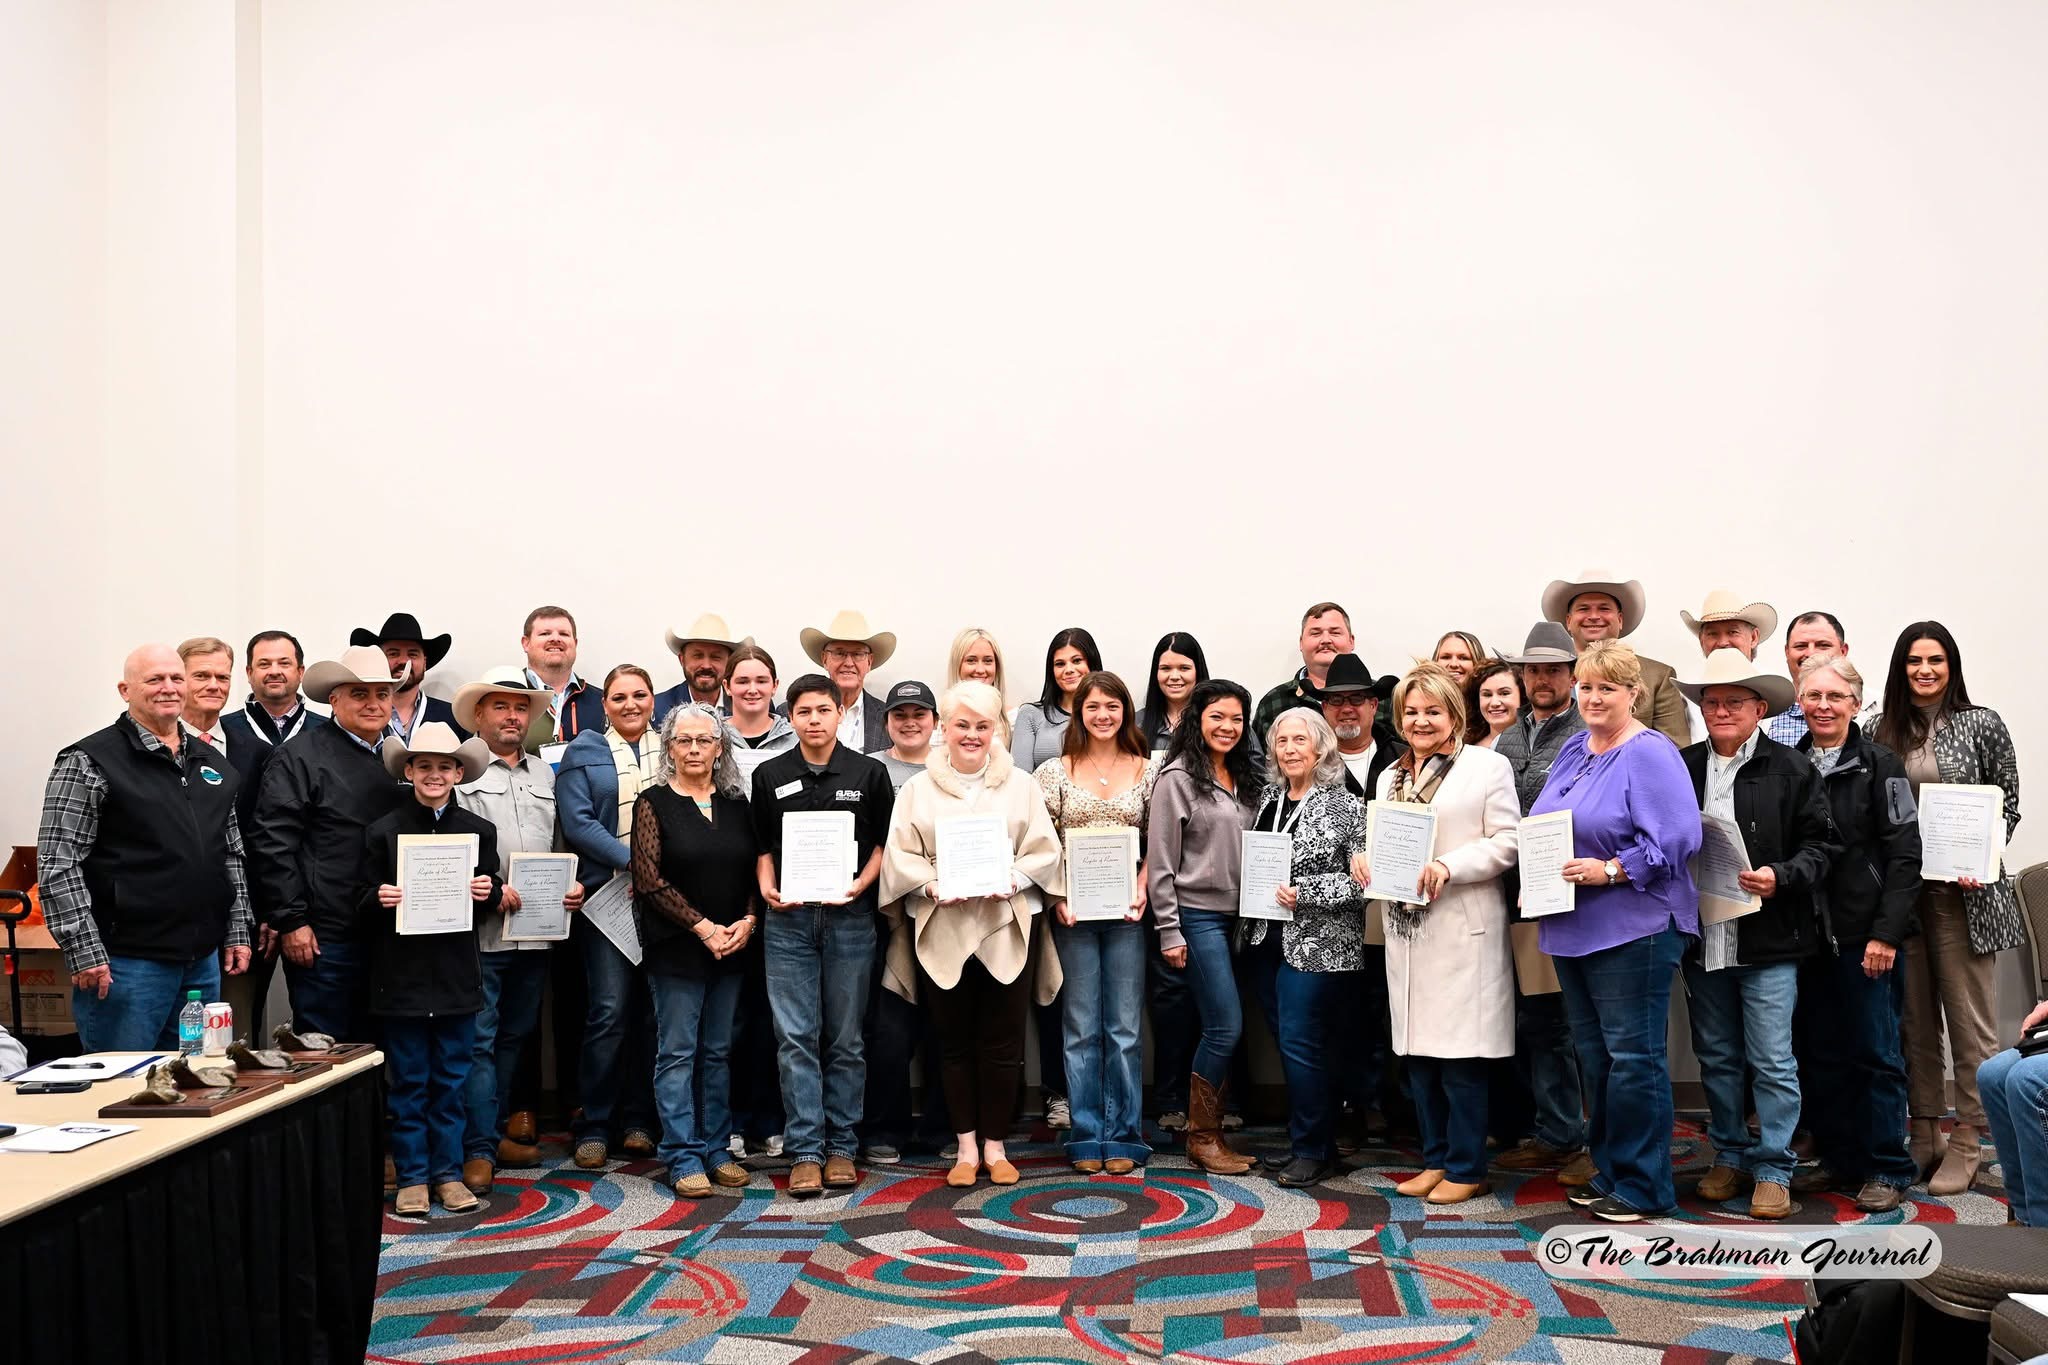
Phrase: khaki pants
(1948,984)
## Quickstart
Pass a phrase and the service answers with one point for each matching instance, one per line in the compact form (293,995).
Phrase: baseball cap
(911,694)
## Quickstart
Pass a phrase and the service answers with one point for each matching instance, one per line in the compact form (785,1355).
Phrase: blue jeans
(617,1072)
(693,1019)
(1103,962)
(1301,1012)
(511,1015)
(2015,1091)
(1619,1002)
(331,994)
(818,959)
(1210,975)
(428,1069)
(1450,1109)
(140,1013)
(1738,1014)
(1852,1069)
(1550,1068)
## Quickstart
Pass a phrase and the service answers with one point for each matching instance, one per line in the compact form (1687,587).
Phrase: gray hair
(725,769)
(1836,664)
(1329,771)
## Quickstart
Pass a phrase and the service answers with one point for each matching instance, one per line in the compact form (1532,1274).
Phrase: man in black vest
(140,862)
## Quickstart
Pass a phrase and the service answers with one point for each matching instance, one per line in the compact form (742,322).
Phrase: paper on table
(610,912)
(1265,864)
(975,858)
(1962,831)
(434,872)
(817,856)
(1400,839)
(542,881)
(1545,842)
(1722,859)
(1102,872)
(94,1067)
(62,1137)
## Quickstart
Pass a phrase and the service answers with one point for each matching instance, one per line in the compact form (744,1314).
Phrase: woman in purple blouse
(1635,827)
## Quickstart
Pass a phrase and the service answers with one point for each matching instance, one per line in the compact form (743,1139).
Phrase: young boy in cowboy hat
(427,988)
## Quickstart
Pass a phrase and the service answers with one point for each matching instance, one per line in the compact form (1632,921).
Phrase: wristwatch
(1613,871)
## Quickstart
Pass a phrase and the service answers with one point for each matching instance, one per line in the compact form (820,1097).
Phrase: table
(251,1237)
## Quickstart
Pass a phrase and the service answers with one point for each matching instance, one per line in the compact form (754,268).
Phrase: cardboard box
(45,993)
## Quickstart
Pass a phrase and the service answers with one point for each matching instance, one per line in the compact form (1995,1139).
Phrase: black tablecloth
(257,1245)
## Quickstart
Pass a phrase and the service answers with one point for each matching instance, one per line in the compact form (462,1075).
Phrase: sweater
(1193,849)
(1038,734)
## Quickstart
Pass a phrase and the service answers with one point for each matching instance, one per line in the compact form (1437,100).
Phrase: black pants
(981,1039)
(1175,1027)
(1049,1023)
(756,1081)
(889,1037)
(567,1000)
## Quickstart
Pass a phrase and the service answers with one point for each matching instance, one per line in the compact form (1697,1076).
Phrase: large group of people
(189,847)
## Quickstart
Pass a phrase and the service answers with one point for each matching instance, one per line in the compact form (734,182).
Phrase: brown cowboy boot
(1205,1144)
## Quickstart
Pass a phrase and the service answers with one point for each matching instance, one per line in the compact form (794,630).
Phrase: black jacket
(252,737)
(1873,890)
(422,975)
(1384,752)
(1783,813)
(320,793)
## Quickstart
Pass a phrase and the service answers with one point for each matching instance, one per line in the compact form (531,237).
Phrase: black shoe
(1303,1172)
(1276,1158)
(1611,1210)
(1583,1197)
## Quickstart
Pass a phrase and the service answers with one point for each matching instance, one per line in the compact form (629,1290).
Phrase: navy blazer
(250,747)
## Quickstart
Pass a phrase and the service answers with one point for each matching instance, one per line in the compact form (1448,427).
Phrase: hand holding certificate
(542,881)
(1545,842)
(434,872)
(1962,832)
(818,853)
(975,859)
(1266,863)
(1102,873)
(1717,870)
(1400,841)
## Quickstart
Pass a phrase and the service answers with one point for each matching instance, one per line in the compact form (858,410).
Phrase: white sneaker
(738,1145)
(1057,1114)
(775,1145)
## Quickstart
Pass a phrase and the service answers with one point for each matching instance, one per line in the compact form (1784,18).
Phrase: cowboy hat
(1348,673)
(357,664)
(1627,594)
(403,625)
(1548,643)
(1728,668)
(849,626)
(505,678)
(1722,606)
(437,737)
(707,629)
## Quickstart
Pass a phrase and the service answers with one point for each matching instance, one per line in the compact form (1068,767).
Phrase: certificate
(817,856)
(434,872)
(1962,831)
(975,857)
(1721,860)
(748,760)
(1546,846)
(1400,839)
(1102,872)
(610,911)
(542,881)
(1265,864)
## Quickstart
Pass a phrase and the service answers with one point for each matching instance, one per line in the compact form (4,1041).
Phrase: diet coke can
(220,1028)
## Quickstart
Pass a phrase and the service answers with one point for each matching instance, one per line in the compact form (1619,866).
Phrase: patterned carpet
(570,1265)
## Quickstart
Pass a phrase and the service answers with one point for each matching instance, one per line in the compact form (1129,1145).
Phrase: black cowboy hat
(1348,673)
(403,625)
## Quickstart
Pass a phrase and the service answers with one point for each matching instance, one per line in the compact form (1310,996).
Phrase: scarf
(636,771)
(1419,789)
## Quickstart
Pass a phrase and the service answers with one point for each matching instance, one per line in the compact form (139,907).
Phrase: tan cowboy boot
(1959,1165)
(1205,1144)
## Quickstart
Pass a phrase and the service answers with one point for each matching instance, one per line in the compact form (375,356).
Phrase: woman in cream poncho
(970,955)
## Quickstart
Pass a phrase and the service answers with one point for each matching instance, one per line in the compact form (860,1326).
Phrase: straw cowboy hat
(1721,605)
(849,626)
(1627,593)
(403,625)
(357,664)
(1728,668)
(707,629)
(1548,643)
(505,678)
(437,737)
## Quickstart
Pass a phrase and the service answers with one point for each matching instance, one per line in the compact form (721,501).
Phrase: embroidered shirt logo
(210,777)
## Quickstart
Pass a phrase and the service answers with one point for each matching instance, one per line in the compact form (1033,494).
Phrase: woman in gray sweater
(1039,730)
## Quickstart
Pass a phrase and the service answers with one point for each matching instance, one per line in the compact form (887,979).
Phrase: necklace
(1101,779)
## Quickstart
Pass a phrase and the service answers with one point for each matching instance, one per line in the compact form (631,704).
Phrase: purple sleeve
(1663,812)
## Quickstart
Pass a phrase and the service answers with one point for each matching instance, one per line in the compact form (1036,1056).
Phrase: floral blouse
(1327,933)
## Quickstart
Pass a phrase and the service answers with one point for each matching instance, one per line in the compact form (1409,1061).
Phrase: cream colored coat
(994,929)
(1452,986)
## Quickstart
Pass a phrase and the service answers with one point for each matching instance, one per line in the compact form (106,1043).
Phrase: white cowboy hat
(850,626)
(707,629)
(505,678)
(437,737)
(1728,668)
(1627,593)
(1721,605)
(357,664)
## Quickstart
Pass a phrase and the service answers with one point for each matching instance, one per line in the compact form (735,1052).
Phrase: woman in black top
(695,892)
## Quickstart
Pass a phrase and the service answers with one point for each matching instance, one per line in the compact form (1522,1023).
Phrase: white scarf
(636,771)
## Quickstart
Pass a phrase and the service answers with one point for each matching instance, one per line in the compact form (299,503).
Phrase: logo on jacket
(209,776)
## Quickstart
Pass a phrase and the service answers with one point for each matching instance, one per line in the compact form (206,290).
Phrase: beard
(1348,731)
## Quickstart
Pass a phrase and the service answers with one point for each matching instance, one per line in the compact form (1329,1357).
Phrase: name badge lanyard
(1292,820)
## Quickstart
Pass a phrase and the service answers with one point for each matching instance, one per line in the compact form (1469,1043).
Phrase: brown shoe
(806,1180)
(1578,1172)
(1001,1172)
(1878,1197)
(521,1128)
(1119,1165)
(1721,1184)
(411,1202)
(591,1154)
(1088,1165)
(731,1175)
(638,1142)
(695,1185)
(1770,1200)
(1420,1184)
(455,1196)
(1532,1155)
(1958,1170)
(1204,1136)
(512,1153)
(1815,1180)
(841,1173)
(477,1173)
(1456,1192)
(961,1177)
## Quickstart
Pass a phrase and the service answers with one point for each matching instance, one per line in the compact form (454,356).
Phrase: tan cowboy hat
(1728,668)
(1548,643)
(707,629)
(851,626)
(357,664)
(1722,605)
(505,678)
(1627,593)
(437,737)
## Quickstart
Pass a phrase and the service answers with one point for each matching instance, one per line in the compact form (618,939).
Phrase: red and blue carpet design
(567,1265)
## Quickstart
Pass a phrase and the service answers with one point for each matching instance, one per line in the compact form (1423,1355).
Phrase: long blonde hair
(961,643)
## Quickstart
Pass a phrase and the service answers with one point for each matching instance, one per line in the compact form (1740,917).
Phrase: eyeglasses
(1723,704)
(1831,698)
(696,741)
(851,655)
(1347,701)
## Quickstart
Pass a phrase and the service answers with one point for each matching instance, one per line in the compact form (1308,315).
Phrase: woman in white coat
(1450,970)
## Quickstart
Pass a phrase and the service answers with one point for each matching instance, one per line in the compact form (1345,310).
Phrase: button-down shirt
(1789,726)
(519,799)
(217,736)
(558,700)
(399,728)
(69,829)
(1717,941)
(853,725)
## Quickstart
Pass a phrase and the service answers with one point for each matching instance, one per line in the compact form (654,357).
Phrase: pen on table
(78,1066)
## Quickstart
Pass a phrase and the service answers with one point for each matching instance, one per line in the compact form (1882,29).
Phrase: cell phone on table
(51,1087)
